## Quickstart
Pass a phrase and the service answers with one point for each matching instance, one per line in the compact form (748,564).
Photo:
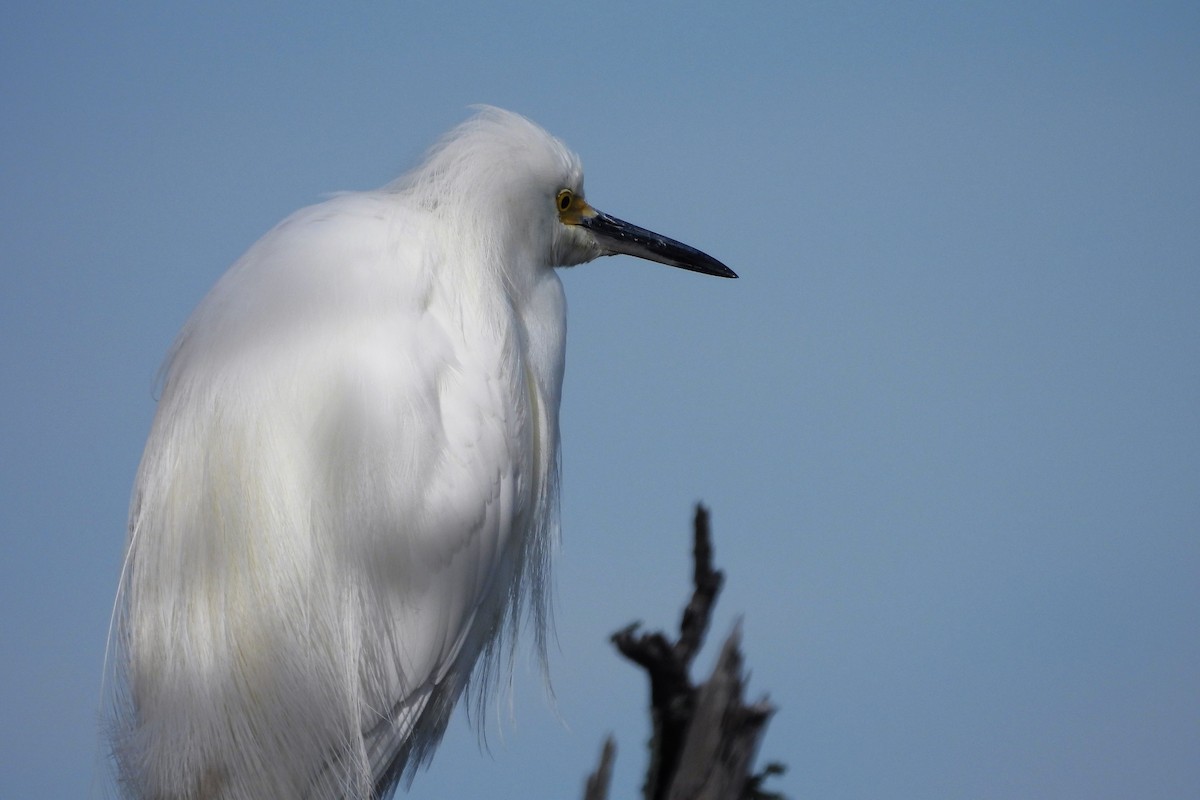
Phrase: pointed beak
(617,236)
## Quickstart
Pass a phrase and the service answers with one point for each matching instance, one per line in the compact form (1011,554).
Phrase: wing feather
(331,507)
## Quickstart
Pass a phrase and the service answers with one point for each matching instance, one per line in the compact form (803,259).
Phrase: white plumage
(350,490)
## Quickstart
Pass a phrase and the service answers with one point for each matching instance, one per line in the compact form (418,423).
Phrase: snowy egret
(349,493)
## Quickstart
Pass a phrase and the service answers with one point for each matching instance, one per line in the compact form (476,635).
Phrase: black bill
(618,236)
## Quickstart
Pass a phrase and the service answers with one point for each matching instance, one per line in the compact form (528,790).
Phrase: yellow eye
(572,208)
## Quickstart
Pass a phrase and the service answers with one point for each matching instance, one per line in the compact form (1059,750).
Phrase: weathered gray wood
(704,738)
(723,736)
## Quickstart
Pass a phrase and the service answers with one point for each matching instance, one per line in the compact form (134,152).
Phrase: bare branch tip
(596,786)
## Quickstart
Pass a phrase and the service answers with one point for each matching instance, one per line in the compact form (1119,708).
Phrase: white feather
(349,493)
(350,484)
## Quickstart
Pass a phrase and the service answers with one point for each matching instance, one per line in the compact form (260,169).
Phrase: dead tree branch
(704,738)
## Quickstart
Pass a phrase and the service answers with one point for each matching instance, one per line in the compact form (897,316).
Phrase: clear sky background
(948,421)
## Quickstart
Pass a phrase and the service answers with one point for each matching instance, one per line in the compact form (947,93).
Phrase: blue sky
(948,421)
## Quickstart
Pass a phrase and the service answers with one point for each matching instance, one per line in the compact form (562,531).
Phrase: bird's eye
(565,198)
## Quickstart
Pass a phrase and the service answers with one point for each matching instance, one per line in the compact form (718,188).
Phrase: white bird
(349,493)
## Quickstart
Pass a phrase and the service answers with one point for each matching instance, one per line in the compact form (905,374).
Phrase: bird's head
(518,186)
